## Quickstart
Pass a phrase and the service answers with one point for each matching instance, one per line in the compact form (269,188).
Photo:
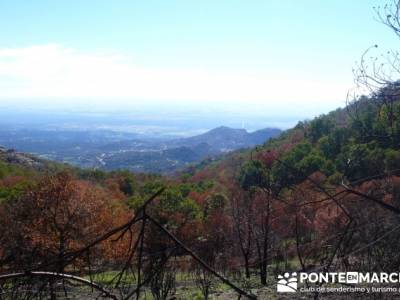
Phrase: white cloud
(54,71)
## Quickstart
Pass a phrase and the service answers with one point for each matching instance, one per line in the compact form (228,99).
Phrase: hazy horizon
(261,65)
(151,118)
(166,121)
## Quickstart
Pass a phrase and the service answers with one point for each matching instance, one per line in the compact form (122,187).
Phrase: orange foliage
(58,216)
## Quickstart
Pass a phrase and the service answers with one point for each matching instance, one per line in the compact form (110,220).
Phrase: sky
(271,57)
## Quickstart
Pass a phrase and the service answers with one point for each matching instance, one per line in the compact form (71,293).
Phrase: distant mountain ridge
(169,156)
(225,139)
(111,151)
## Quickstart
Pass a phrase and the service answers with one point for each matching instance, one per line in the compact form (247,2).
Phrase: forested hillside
(322,195)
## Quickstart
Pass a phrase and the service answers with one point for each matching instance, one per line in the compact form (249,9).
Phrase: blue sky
(245,55)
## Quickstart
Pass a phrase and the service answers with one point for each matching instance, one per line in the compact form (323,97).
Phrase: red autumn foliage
(58,216)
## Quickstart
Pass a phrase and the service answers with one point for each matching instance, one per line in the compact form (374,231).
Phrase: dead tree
(138,267)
